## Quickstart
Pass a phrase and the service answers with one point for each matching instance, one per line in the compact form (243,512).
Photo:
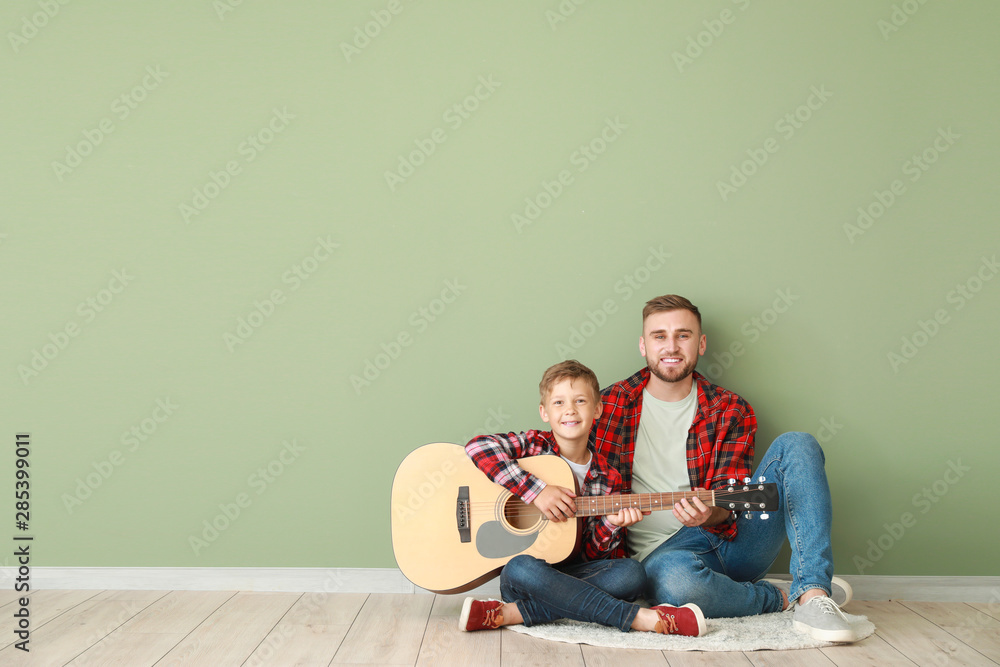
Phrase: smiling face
(570,409)
(672,341)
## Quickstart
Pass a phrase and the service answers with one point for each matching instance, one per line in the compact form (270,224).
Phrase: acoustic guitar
(453,529)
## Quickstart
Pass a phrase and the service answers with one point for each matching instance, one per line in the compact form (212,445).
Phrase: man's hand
(556,502)
(697,513)
(626,517)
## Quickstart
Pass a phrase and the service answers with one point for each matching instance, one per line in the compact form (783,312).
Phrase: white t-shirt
(660,465)
(579,469)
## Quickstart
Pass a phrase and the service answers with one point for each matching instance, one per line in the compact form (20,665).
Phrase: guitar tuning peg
(748,516)
(731,481)
(761,479)
(746,480)
(764,516)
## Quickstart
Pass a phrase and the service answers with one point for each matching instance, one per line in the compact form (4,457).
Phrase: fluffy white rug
(751,633)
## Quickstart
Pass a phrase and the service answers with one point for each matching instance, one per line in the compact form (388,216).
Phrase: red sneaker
(481,615)
(687,620)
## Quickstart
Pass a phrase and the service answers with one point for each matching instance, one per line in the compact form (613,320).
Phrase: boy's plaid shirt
(719,445)
(495,454)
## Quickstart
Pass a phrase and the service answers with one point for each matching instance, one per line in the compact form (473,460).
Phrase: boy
(590,587)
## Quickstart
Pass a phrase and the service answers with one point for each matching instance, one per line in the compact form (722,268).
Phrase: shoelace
(668,622)
(493,618)
(828,606)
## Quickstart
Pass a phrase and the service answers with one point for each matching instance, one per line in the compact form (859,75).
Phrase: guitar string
(606,499)
(599,505)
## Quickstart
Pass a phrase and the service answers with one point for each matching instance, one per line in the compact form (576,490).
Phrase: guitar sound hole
(520,515)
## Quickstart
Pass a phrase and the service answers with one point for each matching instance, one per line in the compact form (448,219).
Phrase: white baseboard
(391,580)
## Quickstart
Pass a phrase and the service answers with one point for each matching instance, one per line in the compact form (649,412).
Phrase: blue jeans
(595,591)
(722,577)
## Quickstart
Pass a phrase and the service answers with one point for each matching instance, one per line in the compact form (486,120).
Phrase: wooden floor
(214,629)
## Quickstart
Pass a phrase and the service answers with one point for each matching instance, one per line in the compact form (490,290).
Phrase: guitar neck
(646,502)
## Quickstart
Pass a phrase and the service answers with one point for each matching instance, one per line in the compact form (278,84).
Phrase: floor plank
(128,649)
(869,652)
(8,596)
(70,634)
(178,612)
(989,608)
(706,659)
(139,628)
(387,631)
(311,632)
(445,645)
(42,608)
(600,656)
(963,622)
(915,637)
(809,656)
(520,649)
(232,632)
(150,596)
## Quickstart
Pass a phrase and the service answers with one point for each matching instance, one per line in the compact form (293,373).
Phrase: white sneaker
(822,619)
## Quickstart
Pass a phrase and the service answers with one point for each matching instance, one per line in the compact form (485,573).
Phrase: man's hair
(668,302)
(571,369)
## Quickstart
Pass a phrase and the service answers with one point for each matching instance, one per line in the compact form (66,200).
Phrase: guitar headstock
(748,497)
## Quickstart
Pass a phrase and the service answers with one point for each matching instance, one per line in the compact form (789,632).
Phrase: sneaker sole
(838,636)
(463,619)
(845,592)
(700,616)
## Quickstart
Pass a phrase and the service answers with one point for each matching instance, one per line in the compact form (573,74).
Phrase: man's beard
(677,375)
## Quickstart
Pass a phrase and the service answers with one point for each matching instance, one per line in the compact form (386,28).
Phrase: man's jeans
(697,566)
(595,591)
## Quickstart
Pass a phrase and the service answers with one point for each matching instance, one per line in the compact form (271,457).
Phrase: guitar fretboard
(646,502)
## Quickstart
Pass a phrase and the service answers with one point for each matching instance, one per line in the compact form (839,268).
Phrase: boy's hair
(669,302)
(571,369)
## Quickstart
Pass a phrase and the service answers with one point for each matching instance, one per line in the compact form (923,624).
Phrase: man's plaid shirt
(495,454)
(719,443)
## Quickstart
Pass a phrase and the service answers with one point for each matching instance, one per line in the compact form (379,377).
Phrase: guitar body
(453,529)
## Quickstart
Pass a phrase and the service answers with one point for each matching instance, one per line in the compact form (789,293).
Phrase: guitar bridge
(462,514)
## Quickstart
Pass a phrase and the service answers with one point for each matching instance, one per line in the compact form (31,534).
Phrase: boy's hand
(556,503)
(626,517)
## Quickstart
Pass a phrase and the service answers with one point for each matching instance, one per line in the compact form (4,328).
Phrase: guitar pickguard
(493,540)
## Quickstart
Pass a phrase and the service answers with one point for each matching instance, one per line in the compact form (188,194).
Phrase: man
(667,428)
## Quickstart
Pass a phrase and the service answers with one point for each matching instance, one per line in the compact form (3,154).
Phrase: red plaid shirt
(719,443)
(495,454)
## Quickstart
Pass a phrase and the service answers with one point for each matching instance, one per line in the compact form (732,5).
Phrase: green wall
(213,228)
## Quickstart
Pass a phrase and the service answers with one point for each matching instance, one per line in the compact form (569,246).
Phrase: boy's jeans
(697,566)
(595,591)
